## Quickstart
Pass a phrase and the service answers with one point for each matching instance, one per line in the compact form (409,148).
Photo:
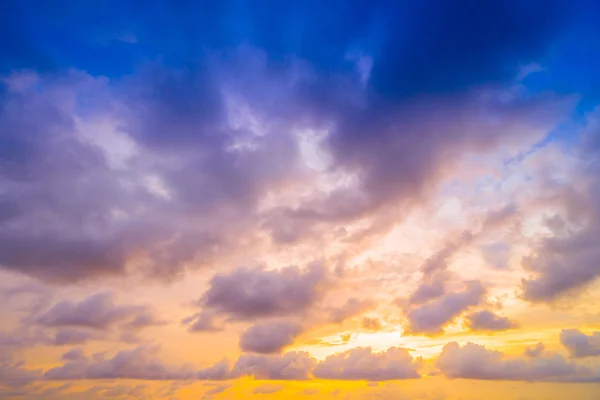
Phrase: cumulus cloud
(269,337)
(363,364)
(90,188)
(351,308)
(96,312)
(473,361)
(486,320)
(13,374)
(431,288)
(168,168)
(139,363)
(255,293)
(68,322)
(204,321)
(535,351)
(74,354)
(562,265)
(431,317)
(568,260)
(578,344)
(289,366)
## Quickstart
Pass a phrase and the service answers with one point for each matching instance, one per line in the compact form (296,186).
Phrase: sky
(260,199)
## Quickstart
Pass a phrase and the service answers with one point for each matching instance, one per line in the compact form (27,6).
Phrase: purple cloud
(430,318)
(139,363)
(473,361)
(488,321)
(254,293)
(269,337)
(351,308)
(535,351)
(204,321)
(362,363)
(289,366)
(578,344)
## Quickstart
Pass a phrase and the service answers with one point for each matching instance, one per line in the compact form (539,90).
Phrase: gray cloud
(430,318)
(172,165)
(432,287)
(13,374)
(86,195)
(204,321)
(139,363)
(74,354)
(289,366)
(562,265)
(363,364)
(97,312)
(68,322)
(351,308)
(143,363)
(488,321)
(473,361)
(535,351)
(73,336)
(569,260)
(270,336)
(578,344)
(255,293)
(434,269)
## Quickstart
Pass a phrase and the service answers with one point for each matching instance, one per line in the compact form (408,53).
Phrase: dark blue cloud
(402,89)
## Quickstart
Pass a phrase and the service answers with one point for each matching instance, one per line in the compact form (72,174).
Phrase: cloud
(289,366)
(74,354)
(138,363)
(254,293)
(568,259)
(488,321)
(431,288)
(473,361)
(269,337)
(561,266)
(68,322)
(204,321)
(96,312)
(578,344)
(217,372)
(13,374)
(372,324)
(363,364)
(351,308)
(218,389)
(112,188)
(72,336)
(430,318)
(267,389)
(535,351)
(168,167)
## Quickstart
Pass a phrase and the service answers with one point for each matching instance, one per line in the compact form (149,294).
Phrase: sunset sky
(311,199)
